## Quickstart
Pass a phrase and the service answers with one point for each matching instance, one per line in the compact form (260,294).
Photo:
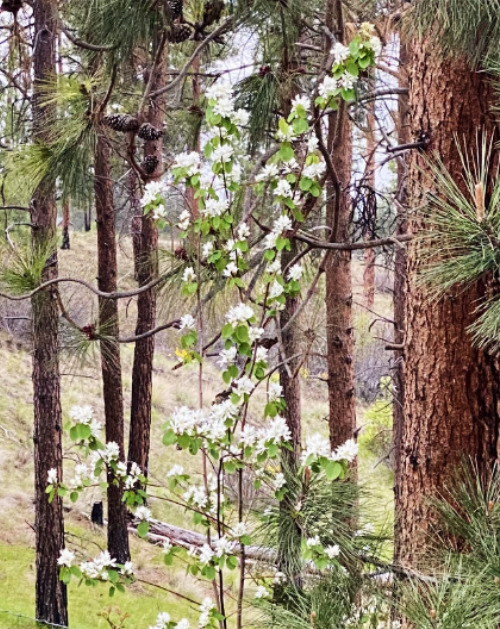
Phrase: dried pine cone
(149,164)
(123,123)
(175,8)
(179,33)
(212,12)
(148,132)
(11,6)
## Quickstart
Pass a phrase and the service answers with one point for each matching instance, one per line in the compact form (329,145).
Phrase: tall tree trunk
(369,254)
(147,270)
(118,545)
(51,594)
(338,299)
(404,137)
(451,388)
(65,224)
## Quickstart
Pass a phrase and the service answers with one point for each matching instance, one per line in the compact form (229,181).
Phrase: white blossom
(332,551)
(244,385)
(275,266)
(161,621)
(167,547)
(311,542)
(261,592)
(286,136)
(227,356)
(261,354)
(219,91)
(275,391)
(152,191)
(347,81)
(127,569)
(240,117)
(81,414)
(224,546)
(317,446)
(190,161)
(282,224)
(52,476)
(239,529)
(279,481)
(312,143)
(376,45)
(111,452)
(66,558)
(184,220)
(340,53)
(254,334)
(301,101)
(175,470)
(295,272)
(182,624)
(224,107)
(189,275)
(239,314)
(275,290)
(230,270)
(188,322)
(243,231)
(348,451)
(222,153)
(283,189)
(206,554)
(314,171)
(215,207)
(207,249)
(327,88)
(270,171)
(143,513)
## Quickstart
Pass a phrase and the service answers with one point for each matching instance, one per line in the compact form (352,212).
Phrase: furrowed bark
(51,594)
(118,544)
(146,271)
(451,387)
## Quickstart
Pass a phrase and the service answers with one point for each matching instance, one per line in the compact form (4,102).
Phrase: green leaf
(286,152)
(169,438)
(143,529)
(73,496)
(333,470)
(305,183)
(300,126)
(242,334)
(227,331)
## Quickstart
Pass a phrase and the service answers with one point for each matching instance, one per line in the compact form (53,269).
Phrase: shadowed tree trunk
(65,225)
(118,545)
(369,254)
(147,270)
(51,594)
(338,299)
(404,137)
(451,388)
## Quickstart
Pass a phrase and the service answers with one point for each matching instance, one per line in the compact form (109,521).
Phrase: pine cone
(149,164)
(175,8)
(123,123)
(180,33)
(212,12)
(11,6)
(148,132)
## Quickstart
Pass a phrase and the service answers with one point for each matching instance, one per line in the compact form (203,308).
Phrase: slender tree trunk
(451,388)
(338,299)
(147,270)
(65,225)
(118,545)
(404,137)
(51,594)
(369,254)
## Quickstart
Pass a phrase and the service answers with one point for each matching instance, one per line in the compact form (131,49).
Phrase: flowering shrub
(221,434)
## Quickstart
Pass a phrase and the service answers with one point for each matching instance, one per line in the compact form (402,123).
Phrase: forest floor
(82,386)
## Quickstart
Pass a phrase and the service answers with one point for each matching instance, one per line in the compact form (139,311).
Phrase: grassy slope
(171,388)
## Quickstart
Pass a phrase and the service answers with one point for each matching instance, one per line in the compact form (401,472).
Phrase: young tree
(51,597)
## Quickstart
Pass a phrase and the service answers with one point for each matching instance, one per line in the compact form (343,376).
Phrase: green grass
(83,386)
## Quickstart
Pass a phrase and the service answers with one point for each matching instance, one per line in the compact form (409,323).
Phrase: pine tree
(51,595)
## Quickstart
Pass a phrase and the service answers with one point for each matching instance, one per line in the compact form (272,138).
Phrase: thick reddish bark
(338,299)
(404,137)
(51,594)
(118,545)
(451,387)
(146,271)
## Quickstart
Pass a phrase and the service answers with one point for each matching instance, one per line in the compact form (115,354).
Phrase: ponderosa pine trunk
(451,387)
(404,137)
(338,298)
(66,244)
(368,232)
(118,544)
(146,271)
(51,593)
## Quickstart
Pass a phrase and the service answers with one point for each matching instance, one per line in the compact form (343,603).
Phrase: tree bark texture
(51,594)
(451,387)
(369,254)
(404,137)
(338,299)
(66,244)
(118,545)
(146,271)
